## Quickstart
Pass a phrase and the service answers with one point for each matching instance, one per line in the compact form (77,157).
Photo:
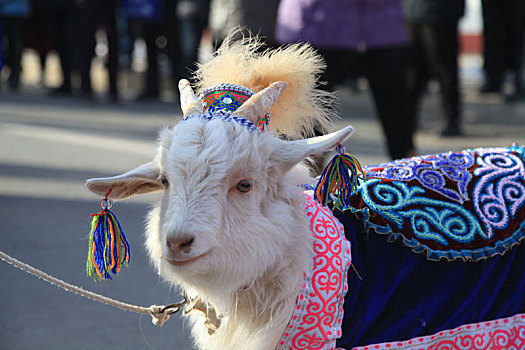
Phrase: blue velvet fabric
(403,295)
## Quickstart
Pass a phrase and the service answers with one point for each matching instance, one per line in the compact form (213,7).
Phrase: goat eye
(164,181)
(244,186)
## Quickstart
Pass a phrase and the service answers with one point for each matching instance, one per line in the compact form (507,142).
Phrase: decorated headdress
(231,102)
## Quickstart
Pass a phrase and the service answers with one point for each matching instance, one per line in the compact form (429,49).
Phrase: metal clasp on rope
(160,314)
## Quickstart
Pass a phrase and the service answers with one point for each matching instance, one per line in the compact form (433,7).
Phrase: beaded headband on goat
(220,101)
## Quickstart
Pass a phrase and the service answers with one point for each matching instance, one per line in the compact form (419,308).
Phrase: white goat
(265,264)
(231,227)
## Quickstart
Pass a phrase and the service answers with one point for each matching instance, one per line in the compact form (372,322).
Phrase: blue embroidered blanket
(436,241)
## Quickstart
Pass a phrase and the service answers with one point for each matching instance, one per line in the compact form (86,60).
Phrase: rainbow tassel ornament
(339,179)
(108,246)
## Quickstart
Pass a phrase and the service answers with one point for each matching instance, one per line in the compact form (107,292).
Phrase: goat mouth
(182,262)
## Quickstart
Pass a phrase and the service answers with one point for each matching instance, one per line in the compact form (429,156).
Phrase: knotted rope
(159,314)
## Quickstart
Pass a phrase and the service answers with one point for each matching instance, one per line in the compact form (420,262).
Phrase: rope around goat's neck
(159,314)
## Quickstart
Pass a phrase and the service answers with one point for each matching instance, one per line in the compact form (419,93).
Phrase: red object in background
(471,43)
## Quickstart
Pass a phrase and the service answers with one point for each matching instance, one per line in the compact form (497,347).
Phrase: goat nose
(176,245)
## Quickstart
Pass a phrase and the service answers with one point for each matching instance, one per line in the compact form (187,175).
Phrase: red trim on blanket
(318,315)
(504,333)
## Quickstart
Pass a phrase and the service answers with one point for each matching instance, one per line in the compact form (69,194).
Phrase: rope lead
(159,314)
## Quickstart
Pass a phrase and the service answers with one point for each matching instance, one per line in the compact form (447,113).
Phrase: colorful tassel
(108,246)
(339,178)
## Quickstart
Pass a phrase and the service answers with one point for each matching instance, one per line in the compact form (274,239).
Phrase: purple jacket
(342,24)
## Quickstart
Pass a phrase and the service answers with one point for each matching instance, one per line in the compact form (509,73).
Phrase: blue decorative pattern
(466,205)
(431,172)
(500,191)
(227,103)
(221,100)
(430,219)
(239,120)
(226,87)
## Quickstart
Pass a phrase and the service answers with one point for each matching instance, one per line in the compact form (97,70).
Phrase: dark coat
(433,11)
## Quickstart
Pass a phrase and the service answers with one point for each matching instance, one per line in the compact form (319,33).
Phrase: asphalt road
(50,145)
(48,148)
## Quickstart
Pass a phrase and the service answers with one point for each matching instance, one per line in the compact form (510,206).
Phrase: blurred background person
(192,16)
(92,14)
(13,14)
(257,16)
(35,38)
(158,26)
(1,50)
(59,24)
(434,49)
(503,31)
(369,32)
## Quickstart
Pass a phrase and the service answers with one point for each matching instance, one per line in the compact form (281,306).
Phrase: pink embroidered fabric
(316,321)
(505,333)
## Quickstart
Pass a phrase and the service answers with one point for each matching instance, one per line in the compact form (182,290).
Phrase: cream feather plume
(301,107)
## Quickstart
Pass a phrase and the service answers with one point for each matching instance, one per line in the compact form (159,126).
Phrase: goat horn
(256,106)
(189,103)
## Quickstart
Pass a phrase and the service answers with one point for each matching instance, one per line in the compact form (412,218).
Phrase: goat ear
(143,179)
(294,152)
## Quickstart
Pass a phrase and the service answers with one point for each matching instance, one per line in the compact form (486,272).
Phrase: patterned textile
(466,206)
(463,213)
(316,321)
(507,333)
(221,100)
